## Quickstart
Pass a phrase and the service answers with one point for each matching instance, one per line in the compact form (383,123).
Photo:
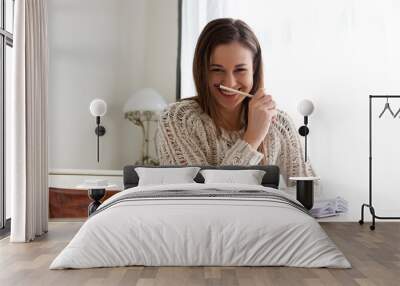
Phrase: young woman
(225,128)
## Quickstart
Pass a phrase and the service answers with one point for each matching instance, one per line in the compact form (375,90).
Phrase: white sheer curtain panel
(195,15)
(27,123)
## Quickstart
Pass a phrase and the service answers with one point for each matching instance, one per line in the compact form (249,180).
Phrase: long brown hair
(217,32)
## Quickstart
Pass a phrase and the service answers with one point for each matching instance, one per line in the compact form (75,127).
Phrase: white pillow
(247,177)
(164,176)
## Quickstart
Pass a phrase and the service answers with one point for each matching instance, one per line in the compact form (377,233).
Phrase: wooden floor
(374,255)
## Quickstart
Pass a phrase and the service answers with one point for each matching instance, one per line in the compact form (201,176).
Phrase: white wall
(335,53)
(105,49)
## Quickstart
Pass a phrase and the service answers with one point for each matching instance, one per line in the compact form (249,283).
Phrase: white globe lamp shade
(305,107)
(98,107)
(146,99)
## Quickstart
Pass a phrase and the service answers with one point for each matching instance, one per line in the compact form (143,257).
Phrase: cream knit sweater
(188,136)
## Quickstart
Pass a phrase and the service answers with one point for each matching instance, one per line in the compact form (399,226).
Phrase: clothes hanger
(398,111)
(387,106)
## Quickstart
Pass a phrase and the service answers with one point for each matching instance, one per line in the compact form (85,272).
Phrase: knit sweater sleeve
(291,157)
(185,139)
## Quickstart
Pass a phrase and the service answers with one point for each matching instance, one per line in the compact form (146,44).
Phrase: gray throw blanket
(198,194)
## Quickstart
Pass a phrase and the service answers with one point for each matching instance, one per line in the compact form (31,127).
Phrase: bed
(201,224)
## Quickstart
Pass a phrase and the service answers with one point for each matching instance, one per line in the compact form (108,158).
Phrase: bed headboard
(270,179)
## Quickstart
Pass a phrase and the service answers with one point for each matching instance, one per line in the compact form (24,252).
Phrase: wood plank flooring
(374,255)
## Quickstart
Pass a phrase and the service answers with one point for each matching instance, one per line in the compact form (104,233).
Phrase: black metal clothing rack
(369,205)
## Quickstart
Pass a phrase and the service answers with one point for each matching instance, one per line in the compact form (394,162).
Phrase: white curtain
(27,123)
(195,15)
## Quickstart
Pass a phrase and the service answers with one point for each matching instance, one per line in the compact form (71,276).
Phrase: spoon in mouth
(235,91)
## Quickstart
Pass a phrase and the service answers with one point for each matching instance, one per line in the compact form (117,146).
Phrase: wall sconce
(305,108)
(98,108)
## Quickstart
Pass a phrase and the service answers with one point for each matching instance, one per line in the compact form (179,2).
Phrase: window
(6,44)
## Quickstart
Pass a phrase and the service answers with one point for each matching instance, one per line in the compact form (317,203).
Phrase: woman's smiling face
(232,66)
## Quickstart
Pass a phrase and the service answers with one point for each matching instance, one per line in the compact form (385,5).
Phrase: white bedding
(184,231)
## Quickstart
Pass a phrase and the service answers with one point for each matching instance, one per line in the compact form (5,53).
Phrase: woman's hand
(262,110)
